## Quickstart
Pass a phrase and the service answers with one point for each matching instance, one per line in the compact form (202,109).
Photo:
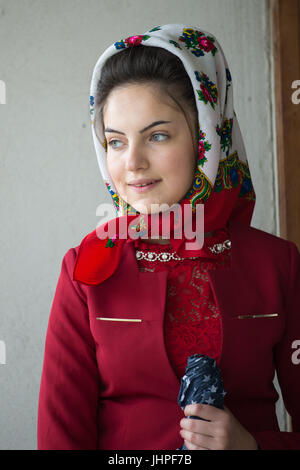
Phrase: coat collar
(97,259)
(95,263)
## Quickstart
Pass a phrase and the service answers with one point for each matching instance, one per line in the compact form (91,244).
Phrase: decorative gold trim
(119,319)
(266,315)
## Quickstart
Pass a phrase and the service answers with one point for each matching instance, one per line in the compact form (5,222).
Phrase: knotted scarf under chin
(182,226)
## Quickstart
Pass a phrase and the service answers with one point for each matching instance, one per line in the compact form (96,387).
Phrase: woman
(129,308)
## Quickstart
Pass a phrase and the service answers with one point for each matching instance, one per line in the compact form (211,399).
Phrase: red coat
(109,384)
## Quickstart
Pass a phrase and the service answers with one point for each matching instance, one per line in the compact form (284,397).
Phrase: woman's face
(139,149)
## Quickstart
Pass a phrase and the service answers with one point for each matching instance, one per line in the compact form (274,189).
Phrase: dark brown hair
(147,64)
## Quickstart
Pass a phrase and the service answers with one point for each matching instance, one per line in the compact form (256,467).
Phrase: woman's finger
(199,426)
(197,440)
(208,412)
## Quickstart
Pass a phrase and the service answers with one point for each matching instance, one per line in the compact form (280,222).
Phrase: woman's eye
(164,135)
(110,143)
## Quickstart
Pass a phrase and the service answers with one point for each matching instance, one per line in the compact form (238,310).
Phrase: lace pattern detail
(192,322)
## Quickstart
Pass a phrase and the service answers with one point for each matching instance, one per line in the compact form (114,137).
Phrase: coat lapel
(149,299)
(127,295)
(232,286)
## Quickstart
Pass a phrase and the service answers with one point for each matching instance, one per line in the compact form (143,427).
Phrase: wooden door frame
(285,47)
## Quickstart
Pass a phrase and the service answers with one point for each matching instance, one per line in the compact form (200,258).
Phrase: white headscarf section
(202,57)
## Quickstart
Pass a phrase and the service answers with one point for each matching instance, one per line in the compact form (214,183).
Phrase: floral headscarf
(222,180)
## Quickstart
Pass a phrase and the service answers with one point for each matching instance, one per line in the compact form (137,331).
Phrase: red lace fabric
(192,320)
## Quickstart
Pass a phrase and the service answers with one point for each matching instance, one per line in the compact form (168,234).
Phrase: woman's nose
(136,158)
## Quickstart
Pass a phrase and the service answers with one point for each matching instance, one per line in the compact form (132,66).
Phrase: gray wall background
(50,185)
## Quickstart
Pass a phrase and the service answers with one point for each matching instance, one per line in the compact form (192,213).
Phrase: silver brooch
(220,247)
(165,256)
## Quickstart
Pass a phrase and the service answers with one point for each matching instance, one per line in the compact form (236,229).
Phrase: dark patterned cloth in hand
(192,319)
(202,383)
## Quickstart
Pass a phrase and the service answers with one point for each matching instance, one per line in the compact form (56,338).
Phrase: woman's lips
(142,189)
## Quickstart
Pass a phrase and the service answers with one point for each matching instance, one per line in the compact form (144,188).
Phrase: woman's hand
(222,432)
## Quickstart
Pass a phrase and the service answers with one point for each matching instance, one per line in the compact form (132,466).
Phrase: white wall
(50,185)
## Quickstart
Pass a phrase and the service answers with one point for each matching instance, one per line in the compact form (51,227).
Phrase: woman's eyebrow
(155,123)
